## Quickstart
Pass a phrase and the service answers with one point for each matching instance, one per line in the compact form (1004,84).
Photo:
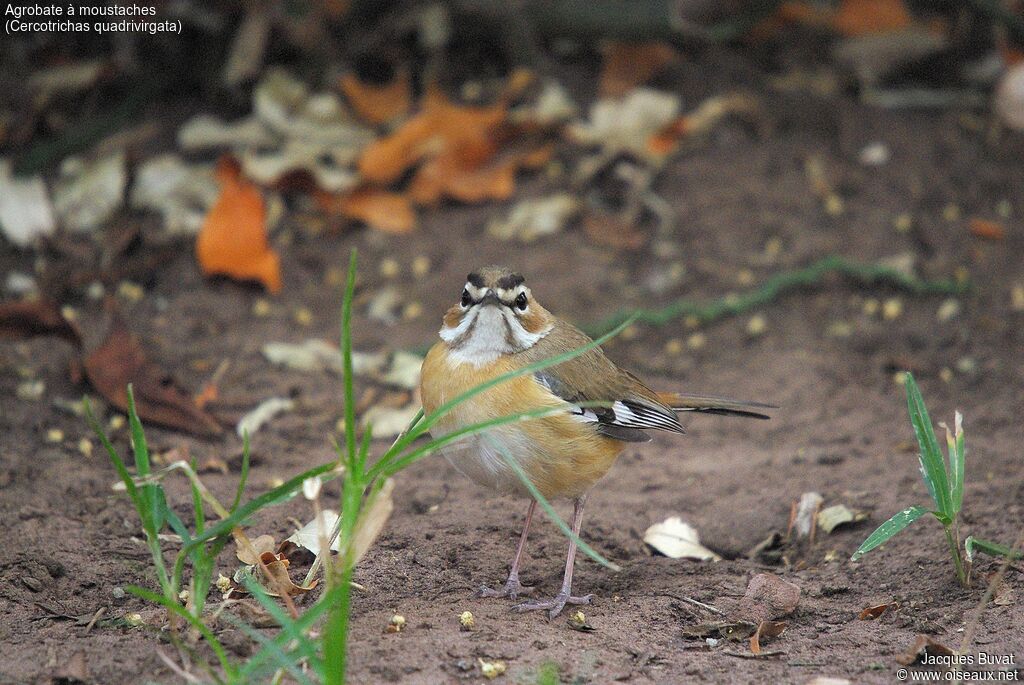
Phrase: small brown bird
(498,327)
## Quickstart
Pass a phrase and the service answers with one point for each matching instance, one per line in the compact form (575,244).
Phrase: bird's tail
(709,404)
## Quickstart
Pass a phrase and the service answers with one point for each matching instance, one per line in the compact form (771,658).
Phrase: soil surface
(69,540)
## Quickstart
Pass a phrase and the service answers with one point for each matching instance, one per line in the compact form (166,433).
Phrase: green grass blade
(546,506)
(306,646)
(115,458)
(933,466)
(172,606)
(888,529)
(276,653)
(955,446)
(346,353)
(198,511)
(281,492)
(244,477)
(431,419)
(151,494)
(973,545)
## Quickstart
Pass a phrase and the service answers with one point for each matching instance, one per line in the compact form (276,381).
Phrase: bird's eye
(521,301)
(466,299)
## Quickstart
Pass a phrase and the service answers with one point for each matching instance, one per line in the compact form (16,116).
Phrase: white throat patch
(487,332)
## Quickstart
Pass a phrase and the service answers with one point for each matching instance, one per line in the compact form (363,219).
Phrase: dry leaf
(861,17)
(832,517)
(766,630)
(26,319)
(404,371)
(206,132)
(308,537)
(608,230)
(311,355)
(678,540)
(923,645)
(389,422)
(628,65)
(984,228)
(233,240)
(380,209)
(535,218)
(182,193)
(264,543)
(379,103)
(806,514)
(871,613)
(25,210)
(627,125)
(264,412)
(88,193)
(121,360)
(273,573)
(371,520)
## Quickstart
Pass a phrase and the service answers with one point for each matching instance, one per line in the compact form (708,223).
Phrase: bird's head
(496,315)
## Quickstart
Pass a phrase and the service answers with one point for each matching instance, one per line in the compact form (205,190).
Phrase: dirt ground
(841,429)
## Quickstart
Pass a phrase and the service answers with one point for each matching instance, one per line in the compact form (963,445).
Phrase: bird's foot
(513,588)
(553,605)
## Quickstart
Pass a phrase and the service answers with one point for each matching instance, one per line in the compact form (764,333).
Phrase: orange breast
(561,455)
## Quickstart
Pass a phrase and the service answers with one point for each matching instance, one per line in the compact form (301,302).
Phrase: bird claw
(555,604)
(513,588)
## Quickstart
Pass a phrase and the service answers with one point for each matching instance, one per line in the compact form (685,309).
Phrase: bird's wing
(592,377)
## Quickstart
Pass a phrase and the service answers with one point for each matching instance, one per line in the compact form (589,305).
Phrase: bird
(593,408)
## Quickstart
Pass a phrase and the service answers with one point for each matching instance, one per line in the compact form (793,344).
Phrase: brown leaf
(378,103)
(871,613)
(20,320)
(380,209)
(274,573)
(984,228)
(121,360)
(863,17)
(628,65)
(768,597)
(923,645)
(608,230)
(260,545)
(766,630)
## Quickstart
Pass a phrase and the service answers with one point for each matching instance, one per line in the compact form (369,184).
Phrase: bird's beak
(490,298)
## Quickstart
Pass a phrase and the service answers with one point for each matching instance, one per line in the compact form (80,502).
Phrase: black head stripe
(510,281)
(476,280)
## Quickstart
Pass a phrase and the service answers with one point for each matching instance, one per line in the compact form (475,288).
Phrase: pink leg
(513,588)
(564,596)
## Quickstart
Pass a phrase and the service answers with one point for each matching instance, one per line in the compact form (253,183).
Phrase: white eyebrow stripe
(476,292)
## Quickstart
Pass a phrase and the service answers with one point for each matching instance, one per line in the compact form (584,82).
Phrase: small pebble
(834,205)
(412,310)
(134,620)
(396,624)
(839,329)
(116,422)
(261,308)
(491,669)
(951,212)
(130,292)
(31,391)
(875,154)
(966,365)
(946,374)
(870,307)
(696,341)
(900,377)
(420,266)
(118,593)
(85,447)
(466,620)
(69,312)
(757,326)
(19,284)
(303,316)
(903,223)
(54,435)
(388,267)
(673,347)
(892,309)
(630,332)
(1017,298)
(948,310)
(1004,209)
(745,277)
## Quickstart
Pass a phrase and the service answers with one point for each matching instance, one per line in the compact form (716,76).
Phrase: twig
(751,655)
(178,670)
(781,284)
(95,617)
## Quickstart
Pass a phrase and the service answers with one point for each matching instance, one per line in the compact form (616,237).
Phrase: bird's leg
(564,596)
(513,588)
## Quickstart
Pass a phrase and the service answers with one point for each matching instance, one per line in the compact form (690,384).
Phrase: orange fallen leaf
(628,65)
(233,240)
(468,153)
(378,103)
(766,630)
(862,17)
(987,229)
(871,613)
(380,209)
